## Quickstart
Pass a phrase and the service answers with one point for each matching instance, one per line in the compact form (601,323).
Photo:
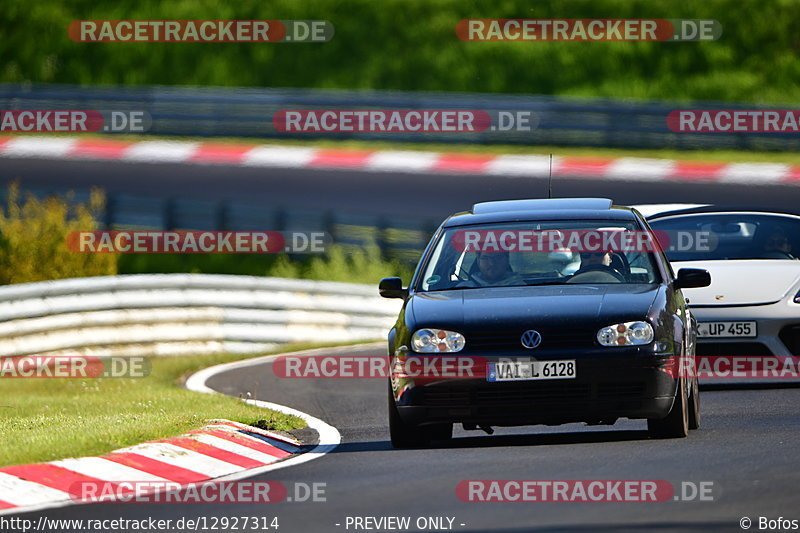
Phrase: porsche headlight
(436,341)
(797,298)
(627,334)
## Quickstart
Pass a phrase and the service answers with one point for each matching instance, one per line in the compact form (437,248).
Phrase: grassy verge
(47,419)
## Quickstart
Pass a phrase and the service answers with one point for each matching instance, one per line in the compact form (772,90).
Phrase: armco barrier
(246,112)
(173,314)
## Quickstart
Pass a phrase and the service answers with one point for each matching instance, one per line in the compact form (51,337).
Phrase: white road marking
(754,173)
(521,165)
(21,492)
(232,447)
(640,169)
(183,458)
(278,156)
(160,151)
(401,161)
(56,147)
(105,470)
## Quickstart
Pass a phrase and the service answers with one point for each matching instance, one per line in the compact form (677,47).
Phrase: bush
(412,45)
(33,247)
(33,238)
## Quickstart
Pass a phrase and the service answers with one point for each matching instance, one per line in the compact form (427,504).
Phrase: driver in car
(494,269)
(598,263)
(777,245)
(591,259)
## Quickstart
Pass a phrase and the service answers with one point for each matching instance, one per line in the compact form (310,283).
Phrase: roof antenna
(550,179)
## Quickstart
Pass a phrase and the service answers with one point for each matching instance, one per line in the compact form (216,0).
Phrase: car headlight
(436,341)
(627,334)
(797,298)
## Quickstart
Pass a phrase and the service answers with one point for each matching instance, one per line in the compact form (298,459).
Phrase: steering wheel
(611,271)
(619,262)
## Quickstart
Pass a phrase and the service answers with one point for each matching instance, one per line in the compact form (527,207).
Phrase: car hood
(743,281)
(556,306)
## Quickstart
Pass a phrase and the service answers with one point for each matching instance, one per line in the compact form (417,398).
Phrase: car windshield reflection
(540,253)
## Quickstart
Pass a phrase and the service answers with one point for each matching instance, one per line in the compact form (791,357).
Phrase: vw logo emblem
(531,339)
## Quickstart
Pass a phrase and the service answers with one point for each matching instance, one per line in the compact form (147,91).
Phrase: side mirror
(691,278)
(392,288)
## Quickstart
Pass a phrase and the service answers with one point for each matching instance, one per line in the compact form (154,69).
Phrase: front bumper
(605,388)
(770,320)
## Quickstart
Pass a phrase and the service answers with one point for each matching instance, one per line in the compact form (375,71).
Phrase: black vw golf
(542,312)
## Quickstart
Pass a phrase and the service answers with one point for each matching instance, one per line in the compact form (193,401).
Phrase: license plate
(727,329)
(531,370)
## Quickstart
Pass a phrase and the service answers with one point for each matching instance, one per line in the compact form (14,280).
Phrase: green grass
(47,419)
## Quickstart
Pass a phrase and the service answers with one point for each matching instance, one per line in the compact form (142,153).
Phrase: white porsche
(752,307)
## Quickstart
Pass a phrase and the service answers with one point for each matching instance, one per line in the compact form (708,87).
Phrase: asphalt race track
(746,448)
(413,195)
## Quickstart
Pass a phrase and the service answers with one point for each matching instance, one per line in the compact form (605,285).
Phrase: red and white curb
(276,156)
(221,451)
(222,448)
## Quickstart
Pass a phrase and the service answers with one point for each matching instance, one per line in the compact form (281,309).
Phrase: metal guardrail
(242,112)
(175,314)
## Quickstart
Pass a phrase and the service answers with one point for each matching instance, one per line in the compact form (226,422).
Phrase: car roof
(541,209)
(656,211)
(541,204)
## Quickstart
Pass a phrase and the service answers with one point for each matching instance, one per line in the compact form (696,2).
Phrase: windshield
(540,253)
(717,237)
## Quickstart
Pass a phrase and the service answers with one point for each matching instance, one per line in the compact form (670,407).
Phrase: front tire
(676,424)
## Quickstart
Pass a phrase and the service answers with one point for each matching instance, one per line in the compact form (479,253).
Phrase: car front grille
(511,339)
(732,349)
(529,395)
